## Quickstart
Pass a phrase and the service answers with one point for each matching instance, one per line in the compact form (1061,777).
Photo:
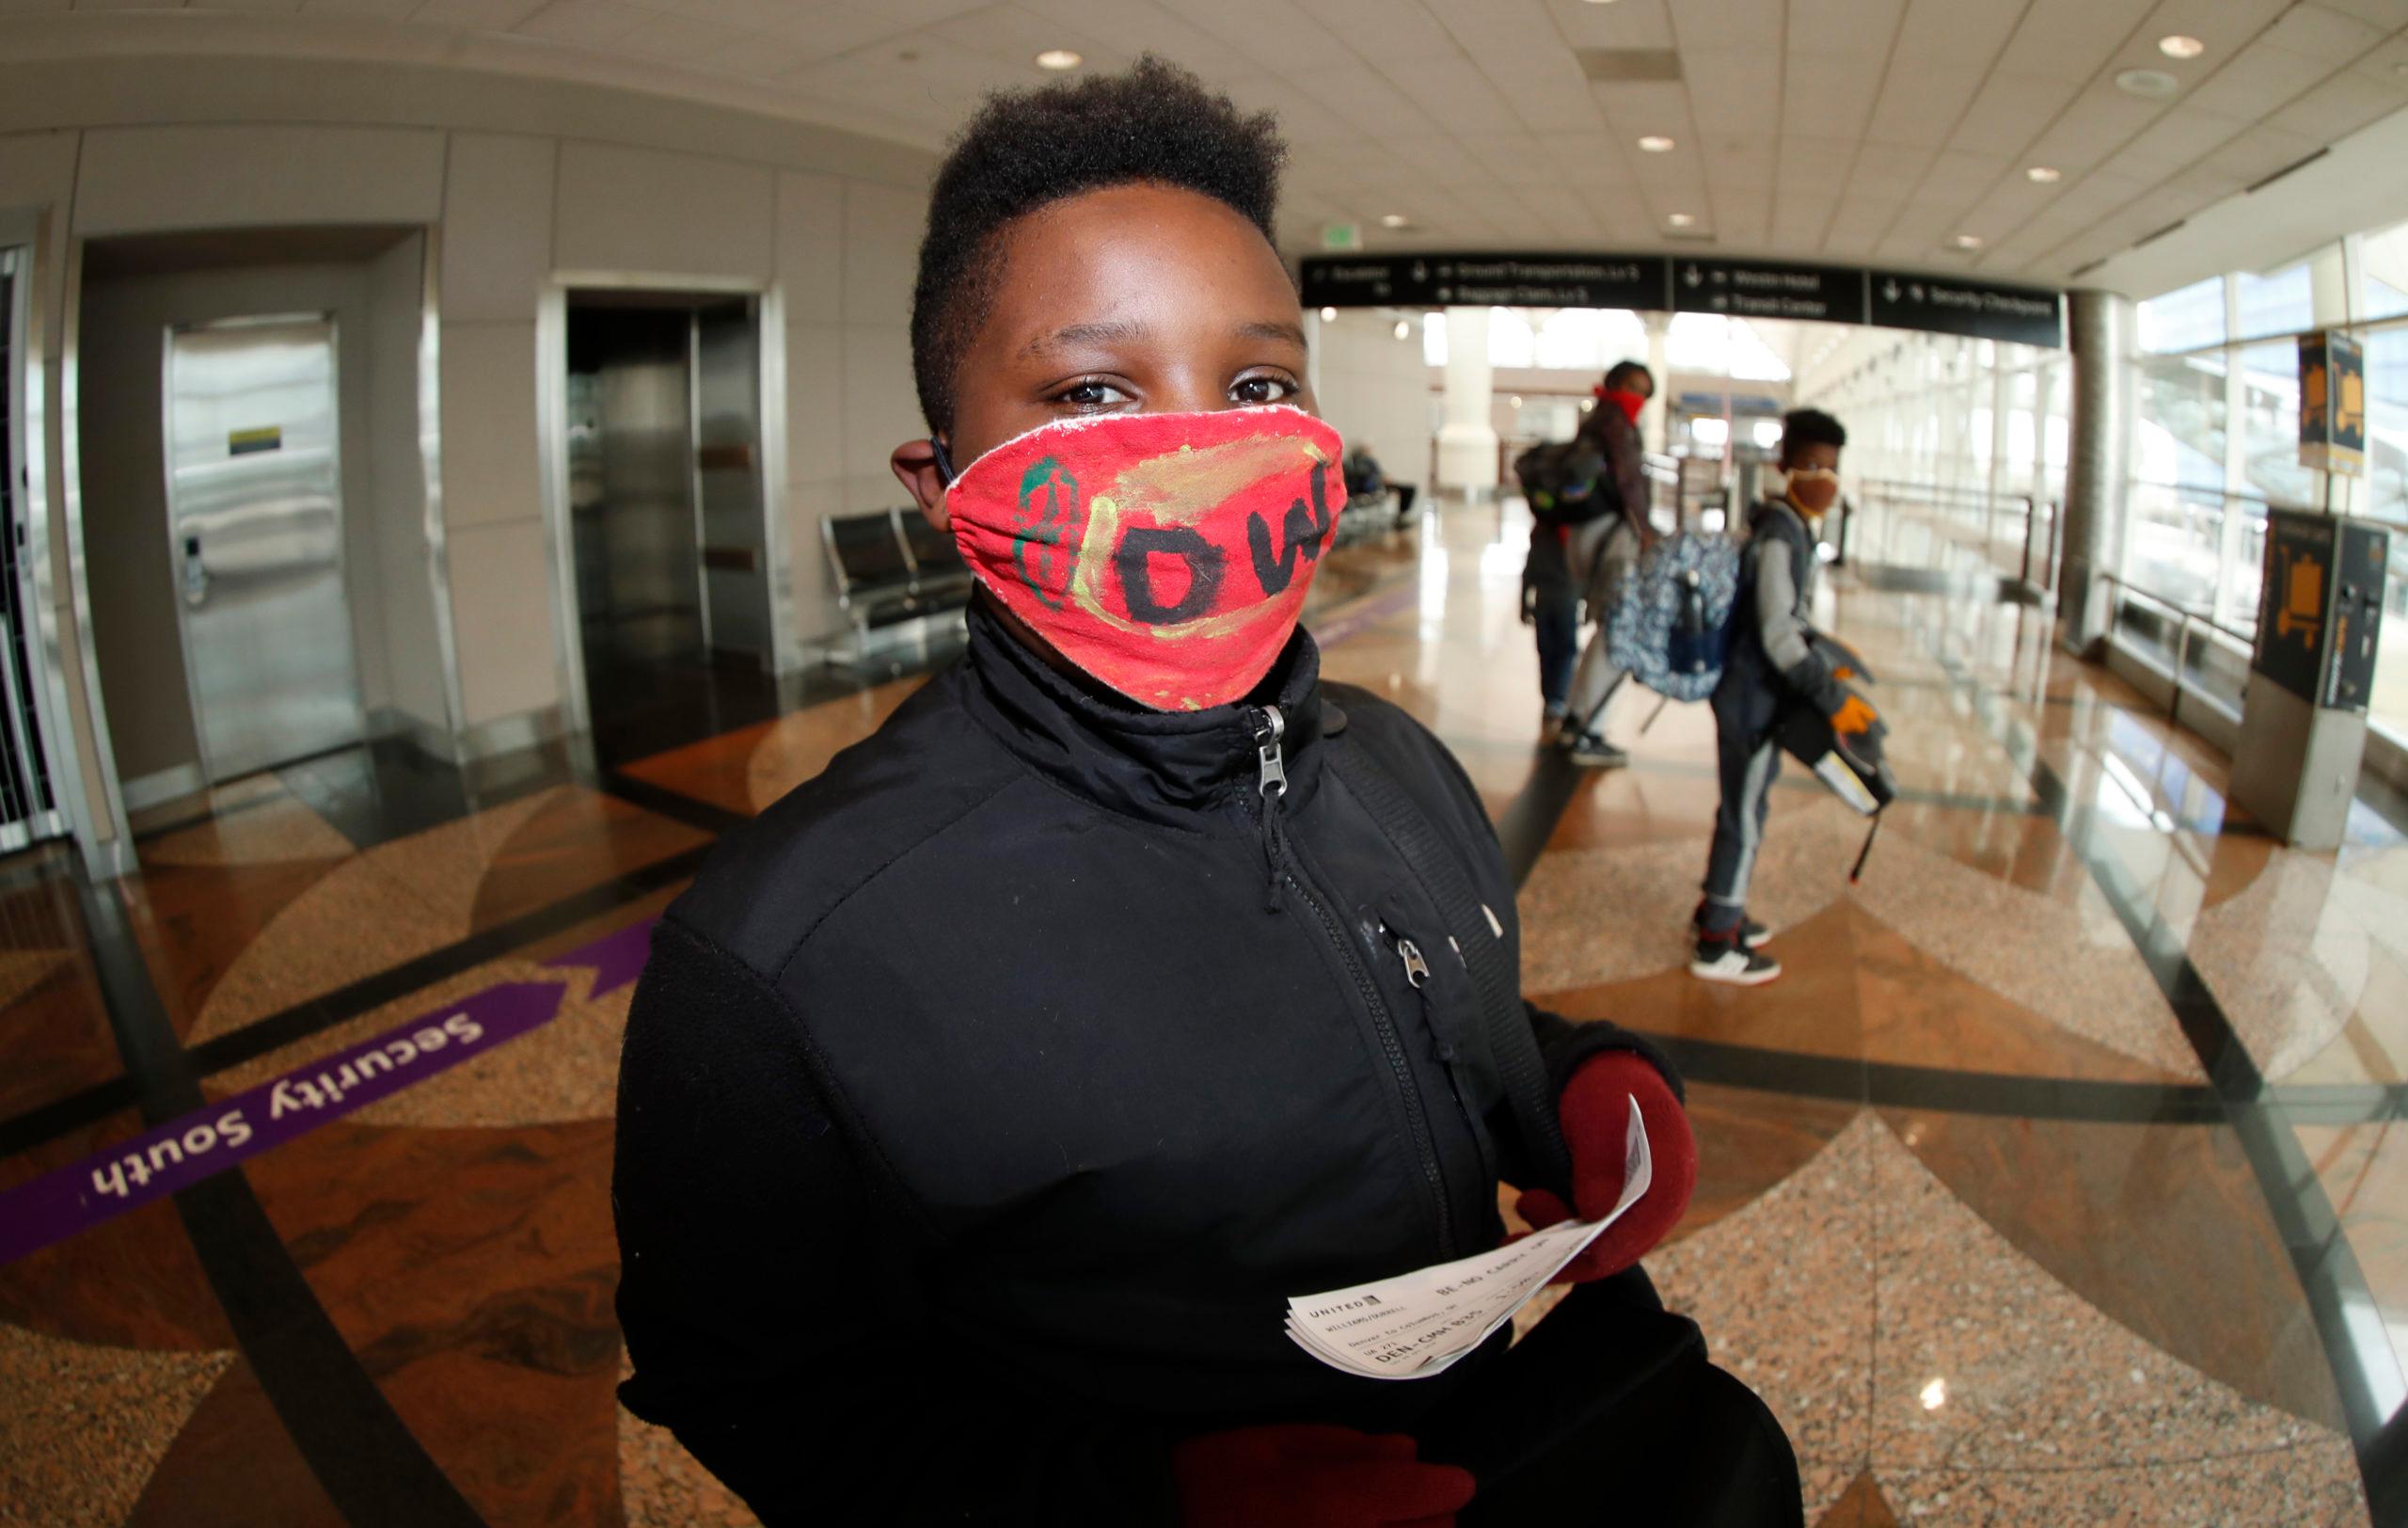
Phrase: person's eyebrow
(1261,329)
(1106,332)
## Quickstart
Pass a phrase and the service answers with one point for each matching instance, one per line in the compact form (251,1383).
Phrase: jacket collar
(1160,766)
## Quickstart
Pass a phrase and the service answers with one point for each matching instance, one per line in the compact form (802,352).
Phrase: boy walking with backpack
(1771,667)
(1590,498)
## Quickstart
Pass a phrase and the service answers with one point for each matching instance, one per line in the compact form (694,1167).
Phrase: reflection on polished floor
(2056,1183)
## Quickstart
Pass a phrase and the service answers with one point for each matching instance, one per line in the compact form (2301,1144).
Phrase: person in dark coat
(1771,664)
(984,1101)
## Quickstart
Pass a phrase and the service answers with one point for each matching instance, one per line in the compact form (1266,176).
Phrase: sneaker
(1592,751)
(1551,728)
(1728,960)
(1751,933)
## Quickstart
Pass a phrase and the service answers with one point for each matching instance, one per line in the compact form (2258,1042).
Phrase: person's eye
(1256,391)
(1091,395)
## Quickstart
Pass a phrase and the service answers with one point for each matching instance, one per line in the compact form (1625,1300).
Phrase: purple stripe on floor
(180,1151)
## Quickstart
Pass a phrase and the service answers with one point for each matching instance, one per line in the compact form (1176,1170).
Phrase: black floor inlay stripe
(364,1456)
(2363,1366)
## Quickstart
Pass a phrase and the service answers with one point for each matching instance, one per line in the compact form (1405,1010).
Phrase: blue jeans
(1559,631)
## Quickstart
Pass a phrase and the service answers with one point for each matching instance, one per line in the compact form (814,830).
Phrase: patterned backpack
(1670,619)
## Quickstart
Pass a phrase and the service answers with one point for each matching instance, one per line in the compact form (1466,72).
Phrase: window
(2180,440)
(2270,425)
(2280,303)
(2185,319)
(2382,265)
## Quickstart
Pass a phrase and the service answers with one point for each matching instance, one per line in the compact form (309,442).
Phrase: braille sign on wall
(1982,310)
(1767,289)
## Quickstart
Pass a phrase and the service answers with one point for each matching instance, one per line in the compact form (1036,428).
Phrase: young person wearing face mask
(1769,664)
(1569,564)
(984,1102)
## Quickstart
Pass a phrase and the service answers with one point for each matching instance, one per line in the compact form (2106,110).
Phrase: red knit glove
(1595,1111)
(1299,1476)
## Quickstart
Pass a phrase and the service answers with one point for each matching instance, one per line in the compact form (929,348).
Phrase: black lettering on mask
(1303,530)
(1204,564)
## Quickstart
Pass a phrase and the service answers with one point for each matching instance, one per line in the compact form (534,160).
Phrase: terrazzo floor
(1978,1212)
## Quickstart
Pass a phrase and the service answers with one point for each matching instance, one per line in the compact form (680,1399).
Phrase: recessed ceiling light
(1655,144)
(1329,315)
(1516,400)
(1404,329)
(1392,220)
(2044,174)
(1681,219)
(1059,59)
(2179,46)
(1966,241)
(2149,84)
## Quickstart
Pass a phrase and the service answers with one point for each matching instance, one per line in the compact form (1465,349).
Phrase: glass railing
(1953,528)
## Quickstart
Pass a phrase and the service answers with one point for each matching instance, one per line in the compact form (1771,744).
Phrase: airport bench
(890,567)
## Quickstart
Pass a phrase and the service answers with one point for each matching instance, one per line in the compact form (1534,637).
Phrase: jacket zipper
(1417,975)
(1273,785)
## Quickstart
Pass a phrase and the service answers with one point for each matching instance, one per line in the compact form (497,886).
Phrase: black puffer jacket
(984,1101)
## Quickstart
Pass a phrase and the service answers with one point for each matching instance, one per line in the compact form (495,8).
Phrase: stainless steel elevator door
(255,518)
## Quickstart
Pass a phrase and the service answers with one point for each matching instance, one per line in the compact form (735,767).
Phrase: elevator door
(255,518)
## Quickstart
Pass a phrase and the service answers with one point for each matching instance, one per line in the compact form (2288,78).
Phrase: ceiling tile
(1742,84)
(1727,24)
(2224,26)
(1824,95)
(1920,106)
(2338,107)
(1452,91)
(1961,33)
(2388,14)
(2010,110)
(1857,29)
(1628,23)
(594,22)
(2323,33)
(2181,138)
(2069,39)
(2099,119)
(1383,31)
(497,15)
(2260,151)
(1133,26)
(2262,79)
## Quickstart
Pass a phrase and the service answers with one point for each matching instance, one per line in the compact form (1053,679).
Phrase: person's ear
(915,466)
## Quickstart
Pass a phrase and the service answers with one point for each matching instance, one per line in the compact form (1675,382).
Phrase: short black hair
(1025,149)
(1810,427)
(1622,370)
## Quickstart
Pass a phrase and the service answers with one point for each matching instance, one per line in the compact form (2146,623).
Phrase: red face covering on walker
(1165,554)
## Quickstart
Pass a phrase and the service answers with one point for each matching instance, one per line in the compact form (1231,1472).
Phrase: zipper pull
(1417,975)
(1272,786)
(1273,727)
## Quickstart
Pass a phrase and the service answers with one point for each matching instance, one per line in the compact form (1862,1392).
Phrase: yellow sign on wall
(2332,403)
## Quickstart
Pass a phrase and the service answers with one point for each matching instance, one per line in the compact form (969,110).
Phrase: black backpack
(1567,482)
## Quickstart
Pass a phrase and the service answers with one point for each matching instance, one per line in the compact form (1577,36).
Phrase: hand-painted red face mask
(1167,554)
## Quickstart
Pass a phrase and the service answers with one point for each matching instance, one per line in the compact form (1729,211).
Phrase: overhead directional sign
(1767,289)
(1486,280)
(1660,283)
(1984,310)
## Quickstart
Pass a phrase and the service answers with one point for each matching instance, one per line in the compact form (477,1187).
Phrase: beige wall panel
(502,619)
(490,450)
(881,408)
(811,247)
(666,213)
(145,178)
(497,226)
(882,227)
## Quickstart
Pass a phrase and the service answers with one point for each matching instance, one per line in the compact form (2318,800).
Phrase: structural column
(2102,326)
(1468,441)
(1651,418)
